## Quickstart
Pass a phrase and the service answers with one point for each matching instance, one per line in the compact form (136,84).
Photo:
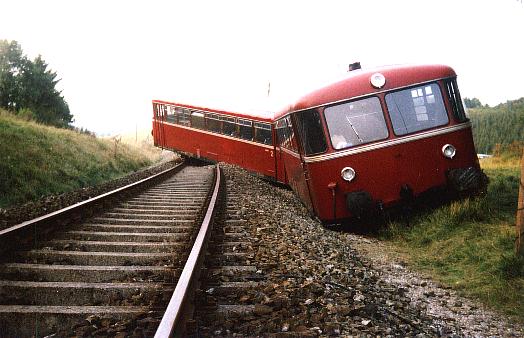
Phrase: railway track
(111,274)
(228,290)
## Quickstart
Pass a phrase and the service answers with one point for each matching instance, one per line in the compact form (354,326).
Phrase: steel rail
(55,215)
(172,323)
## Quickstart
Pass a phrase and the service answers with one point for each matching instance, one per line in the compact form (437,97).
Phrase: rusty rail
(172,323)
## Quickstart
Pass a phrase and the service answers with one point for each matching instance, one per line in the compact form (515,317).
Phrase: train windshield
(356,122)
(416,109)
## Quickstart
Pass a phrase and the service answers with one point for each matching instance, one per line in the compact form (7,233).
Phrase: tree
(472,103)
(29,85)
(11,61)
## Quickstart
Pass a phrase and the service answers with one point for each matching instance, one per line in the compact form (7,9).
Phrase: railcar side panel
(382,172)
(253,156)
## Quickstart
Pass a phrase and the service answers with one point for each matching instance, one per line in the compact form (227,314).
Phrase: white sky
(114,57)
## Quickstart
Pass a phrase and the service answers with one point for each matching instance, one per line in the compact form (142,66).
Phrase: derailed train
(364,143)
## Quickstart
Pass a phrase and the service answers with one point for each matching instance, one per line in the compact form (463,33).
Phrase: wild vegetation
(38,160)
(28,87)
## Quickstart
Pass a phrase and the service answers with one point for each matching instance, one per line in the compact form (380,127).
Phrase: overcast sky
(114,57)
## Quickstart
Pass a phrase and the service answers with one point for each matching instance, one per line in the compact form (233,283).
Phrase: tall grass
(37,160)
(469,244)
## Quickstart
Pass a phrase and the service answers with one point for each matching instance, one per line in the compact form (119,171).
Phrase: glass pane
(456,102)
(197,120)
(356,122)
(263,133)
(410,114)
(311,133)
(246,129)
(170,114)
(213,123)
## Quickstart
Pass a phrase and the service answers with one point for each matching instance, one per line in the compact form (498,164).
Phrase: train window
(263,133)
(197,120)
(285,134)
(213,123)
(170,117)
(356,122)
(310,131)
(184,117)
(456,101)
(229,126)
(245,129)
(416,109)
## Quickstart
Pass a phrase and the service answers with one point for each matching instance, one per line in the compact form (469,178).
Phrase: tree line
(28,87)
(498,127)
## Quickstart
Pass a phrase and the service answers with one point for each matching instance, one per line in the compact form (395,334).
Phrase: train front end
(392,136)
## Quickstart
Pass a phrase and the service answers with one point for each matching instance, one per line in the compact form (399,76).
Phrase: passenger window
(170,114)
(182,115)
(245,129)
(416,109)
(263,133)
(197,120)
(310,130)
(229,126)
(356,123)
(213,123)
(286,136)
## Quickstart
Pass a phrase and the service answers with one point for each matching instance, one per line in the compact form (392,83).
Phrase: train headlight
(377,80)
(348,174)
(448,151)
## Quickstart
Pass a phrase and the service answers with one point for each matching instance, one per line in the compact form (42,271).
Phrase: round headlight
(449,151)
(377,80)
(348,174)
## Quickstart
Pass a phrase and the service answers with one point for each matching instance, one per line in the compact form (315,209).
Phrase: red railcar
(366,142)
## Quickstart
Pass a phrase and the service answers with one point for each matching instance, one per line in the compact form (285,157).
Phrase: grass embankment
(37,160)
(469,244)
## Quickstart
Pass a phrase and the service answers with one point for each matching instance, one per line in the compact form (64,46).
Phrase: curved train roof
(261,115)
(357,83)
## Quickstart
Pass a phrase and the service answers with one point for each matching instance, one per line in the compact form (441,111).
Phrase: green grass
(37,160)
(469,244)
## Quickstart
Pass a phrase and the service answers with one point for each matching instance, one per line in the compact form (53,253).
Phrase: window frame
(302,138)
(267,127)
(385,116)
(410,88)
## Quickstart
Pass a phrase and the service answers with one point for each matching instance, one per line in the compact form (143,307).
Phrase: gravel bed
(18,214)
(328,283)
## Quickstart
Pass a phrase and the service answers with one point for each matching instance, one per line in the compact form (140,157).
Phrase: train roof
(357,83)
(260,115)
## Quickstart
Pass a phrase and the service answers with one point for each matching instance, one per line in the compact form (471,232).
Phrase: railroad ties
(231,274)
(110,271)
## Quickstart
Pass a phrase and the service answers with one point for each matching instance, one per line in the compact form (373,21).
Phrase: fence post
(519,244)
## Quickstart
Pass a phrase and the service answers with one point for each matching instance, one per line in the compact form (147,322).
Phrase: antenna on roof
(354,66)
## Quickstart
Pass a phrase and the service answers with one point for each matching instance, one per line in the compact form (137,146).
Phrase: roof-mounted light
(377,80)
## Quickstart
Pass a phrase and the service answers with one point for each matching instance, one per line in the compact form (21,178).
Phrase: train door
(292,161)
(311,141)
